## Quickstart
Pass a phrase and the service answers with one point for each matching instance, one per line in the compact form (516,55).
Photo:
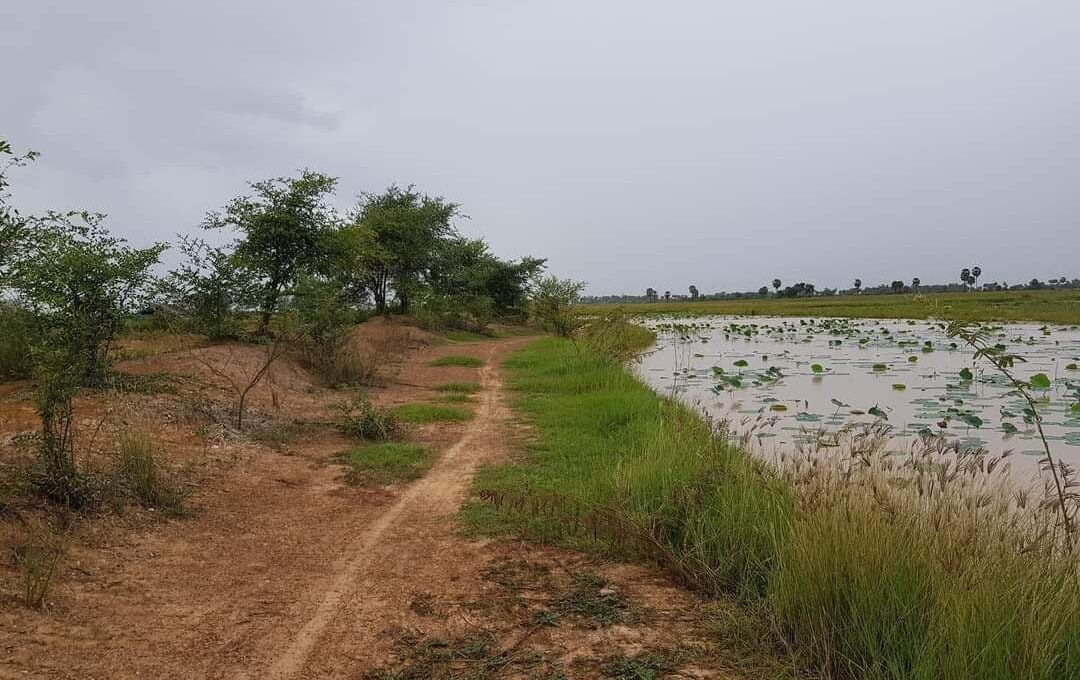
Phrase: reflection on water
(795,380)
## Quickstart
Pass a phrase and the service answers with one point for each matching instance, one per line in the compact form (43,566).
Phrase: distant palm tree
(667,294)
(965,275)
(776,284)
(858,285)
(693,293)
(915,282)
(976,272)
(650,294)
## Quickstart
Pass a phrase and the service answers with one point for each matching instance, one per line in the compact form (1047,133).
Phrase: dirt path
(423,511)
(288,572)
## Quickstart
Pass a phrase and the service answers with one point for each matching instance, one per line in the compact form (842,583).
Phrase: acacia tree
(282,227)
(400,231)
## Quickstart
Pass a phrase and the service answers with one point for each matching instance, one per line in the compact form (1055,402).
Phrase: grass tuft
(459,387)
(138,472)
(387,463)
(431,413)
(458,360)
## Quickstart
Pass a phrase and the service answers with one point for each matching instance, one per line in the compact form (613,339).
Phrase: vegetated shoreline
(842,570)
(1062,307)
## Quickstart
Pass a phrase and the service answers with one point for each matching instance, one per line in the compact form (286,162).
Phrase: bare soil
(283,569)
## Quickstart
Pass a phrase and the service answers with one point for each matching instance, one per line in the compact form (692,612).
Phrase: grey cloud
(635,144)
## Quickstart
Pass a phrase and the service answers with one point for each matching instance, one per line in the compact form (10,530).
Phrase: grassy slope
(856,592)
(1061,307)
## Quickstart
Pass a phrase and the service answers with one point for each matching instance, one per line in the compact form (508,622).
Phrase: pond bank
(860,580)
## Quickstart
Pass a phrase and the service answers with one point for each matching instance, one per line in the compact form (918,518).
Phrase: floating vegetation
(817,368)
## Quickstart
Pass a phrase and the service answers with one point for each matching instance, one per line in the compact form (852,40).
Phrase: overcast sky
(633,143)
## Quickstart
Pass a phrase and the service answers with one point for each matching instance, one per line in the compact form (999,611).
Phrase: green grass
(388,462)
(459,387)
(457,360)
(857,578)
(430,413)
(453,398)
(606,441)
(1061,307)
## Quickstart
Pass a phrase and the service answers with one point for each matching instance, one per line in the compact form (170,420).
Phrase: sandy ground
(285,570)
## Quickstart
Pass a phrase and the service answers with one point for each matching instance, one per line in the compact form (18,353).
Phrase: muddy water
(790,380)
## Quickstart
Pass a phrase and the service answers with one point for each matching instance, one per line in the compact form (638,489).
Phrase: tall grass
(868,564)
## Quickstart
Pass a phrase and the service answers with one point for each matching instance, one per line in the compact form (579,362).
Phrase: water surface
(809,377)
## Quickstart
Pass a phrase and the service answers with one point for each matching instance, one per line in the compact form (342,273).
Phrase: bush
(363,420)
(15,342)
(209,289)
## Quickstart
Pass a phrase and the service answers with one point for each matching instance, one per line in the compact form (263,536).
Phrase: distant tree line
(969,282)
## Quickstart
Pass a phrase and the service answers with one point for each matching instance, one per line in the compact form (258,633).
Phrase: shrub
(210,288)
(38,561)
(363,420)
(15,342)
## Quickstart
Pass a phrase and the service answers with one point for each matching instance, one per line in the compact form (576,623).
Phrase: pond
(794,381)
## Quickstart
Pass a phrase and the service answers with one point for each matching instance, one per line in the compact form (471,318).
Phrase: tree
(211,286)
(800,289)
(965,276)
(915,283)
(976,272)
(897,286)
(693,293)
(651,295)
(776,283)
(667,295)
(282,225)
(763,291)
(12,224)
(78,282)
(553,304)
(467,276)
(404,229)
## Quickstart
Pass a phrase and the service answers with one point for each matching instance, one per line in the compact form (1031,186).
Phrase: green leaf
(1040,381)
(817,368)
(741,363)
(965,374)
